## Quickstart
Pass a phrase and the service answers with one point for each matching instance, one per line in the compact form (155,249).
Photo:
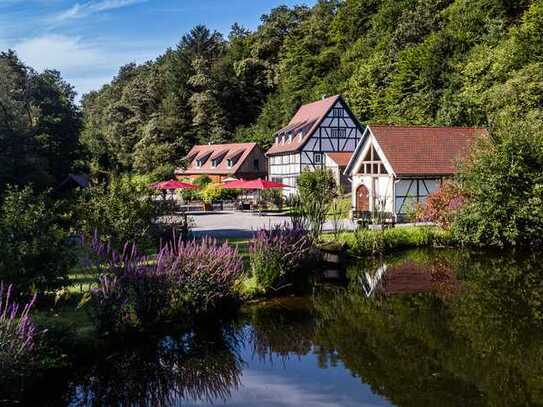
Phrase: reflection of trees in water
(483,346)
(202,365)
(281,328)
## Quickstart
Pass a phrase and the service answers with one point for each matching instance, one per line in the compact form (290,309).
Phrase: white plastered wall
(380,187)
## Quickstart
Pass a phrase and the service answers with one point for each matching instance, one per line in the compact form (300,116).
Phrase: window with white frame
(317,158)
(372,164)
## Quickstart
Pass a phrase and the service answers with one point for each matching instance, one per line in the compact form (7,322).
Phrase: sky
(87,41)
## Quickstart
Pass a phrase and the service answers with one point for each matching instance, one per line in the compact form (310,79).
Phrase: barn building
(325,126)
(220,161)
(394,168)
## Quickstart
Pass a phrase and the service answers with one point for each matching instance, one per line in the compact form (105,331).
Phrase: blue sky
(89,40)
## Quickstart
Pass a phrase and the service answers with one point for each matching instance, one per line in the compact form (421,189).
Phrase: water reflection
(412,273)
(201,366)
(440,328)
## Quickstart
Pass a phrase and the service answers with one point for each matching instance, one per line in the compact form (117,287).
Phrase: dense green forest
(462,62)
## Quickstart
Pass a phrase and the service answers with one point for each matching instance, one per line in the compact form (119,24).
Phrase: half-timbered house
(394,168)
(317,128)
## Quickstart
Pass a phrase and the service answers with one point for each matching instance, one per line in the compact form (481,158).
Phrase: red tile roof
(425,150)
(306,120)
(341,159)
(216,150)
(411,277)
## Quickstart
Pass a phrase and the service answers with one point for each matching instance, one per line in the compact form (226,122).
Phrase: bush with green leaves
(503,182)
(35,246)
(121,211)
(210,192)
(316,190)
(202,180)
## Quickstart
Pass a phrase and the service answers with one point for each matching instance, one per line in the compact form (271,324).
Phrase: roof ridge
(320,100)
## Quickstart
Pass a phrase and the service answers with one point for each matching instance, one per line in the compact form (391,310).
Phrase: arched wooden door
(362,198)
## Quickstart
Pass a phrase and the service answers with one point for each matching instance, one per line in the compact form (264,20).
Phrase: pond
(419,328)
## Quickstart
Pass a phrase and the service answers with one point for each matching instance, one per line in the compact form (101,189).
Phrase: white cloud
(59,52)
(86,9)
(86,65)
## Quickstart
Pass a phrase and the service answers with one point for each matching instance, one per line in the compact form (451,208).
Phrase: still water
(420,328)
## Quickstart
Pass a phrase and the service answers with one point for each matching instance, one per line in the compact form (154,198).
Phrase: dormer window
(198,163)
(214,163)
(283,139)
(276,139)
(229,163)
(290,137)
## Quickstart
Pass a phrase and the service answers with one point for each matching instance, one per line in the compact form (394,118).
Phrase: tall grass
(371,241)
(17,330)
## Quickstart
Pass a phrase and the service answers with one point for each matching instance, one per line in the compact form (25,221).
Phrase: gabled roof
(306,120)
(417,150)
(241,150)
(341,159)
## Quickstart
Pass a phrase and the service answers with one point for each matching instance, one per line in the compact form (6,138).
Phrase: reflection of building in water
(410,277)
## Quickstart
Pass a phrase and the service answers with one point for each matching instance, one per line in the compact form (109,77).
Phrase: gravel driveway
(240,224)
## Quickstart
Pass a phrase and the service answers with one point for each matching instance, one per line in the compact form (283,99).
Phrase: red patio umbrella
(172,184)
(254,184)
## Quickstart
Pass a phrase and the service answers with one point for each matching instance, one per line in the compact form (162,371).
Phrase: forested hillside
(462,62)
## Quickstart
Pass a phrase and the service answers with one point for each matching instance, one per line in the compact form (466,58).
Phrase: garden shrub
(123,210)
(277,254)
(202,180)
(210,192)
(35,250)
(317,190)
(442,205)
(503,182)
(184,279)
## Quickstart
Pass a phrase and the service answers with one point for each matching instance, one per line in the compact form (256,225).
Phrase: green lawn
(362,242)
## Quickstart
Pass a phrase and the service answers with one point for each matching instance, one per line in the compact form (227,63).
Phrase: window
(214,163)
(339,133)
(372,163)
(198,163)
(409,192)
(317,158)
(229,163)
(337,112)
(256,164)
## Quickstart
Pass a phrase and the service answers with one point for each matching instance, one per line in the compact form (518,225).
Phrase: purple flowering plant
(17,330)
(277,253)
(184,278)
